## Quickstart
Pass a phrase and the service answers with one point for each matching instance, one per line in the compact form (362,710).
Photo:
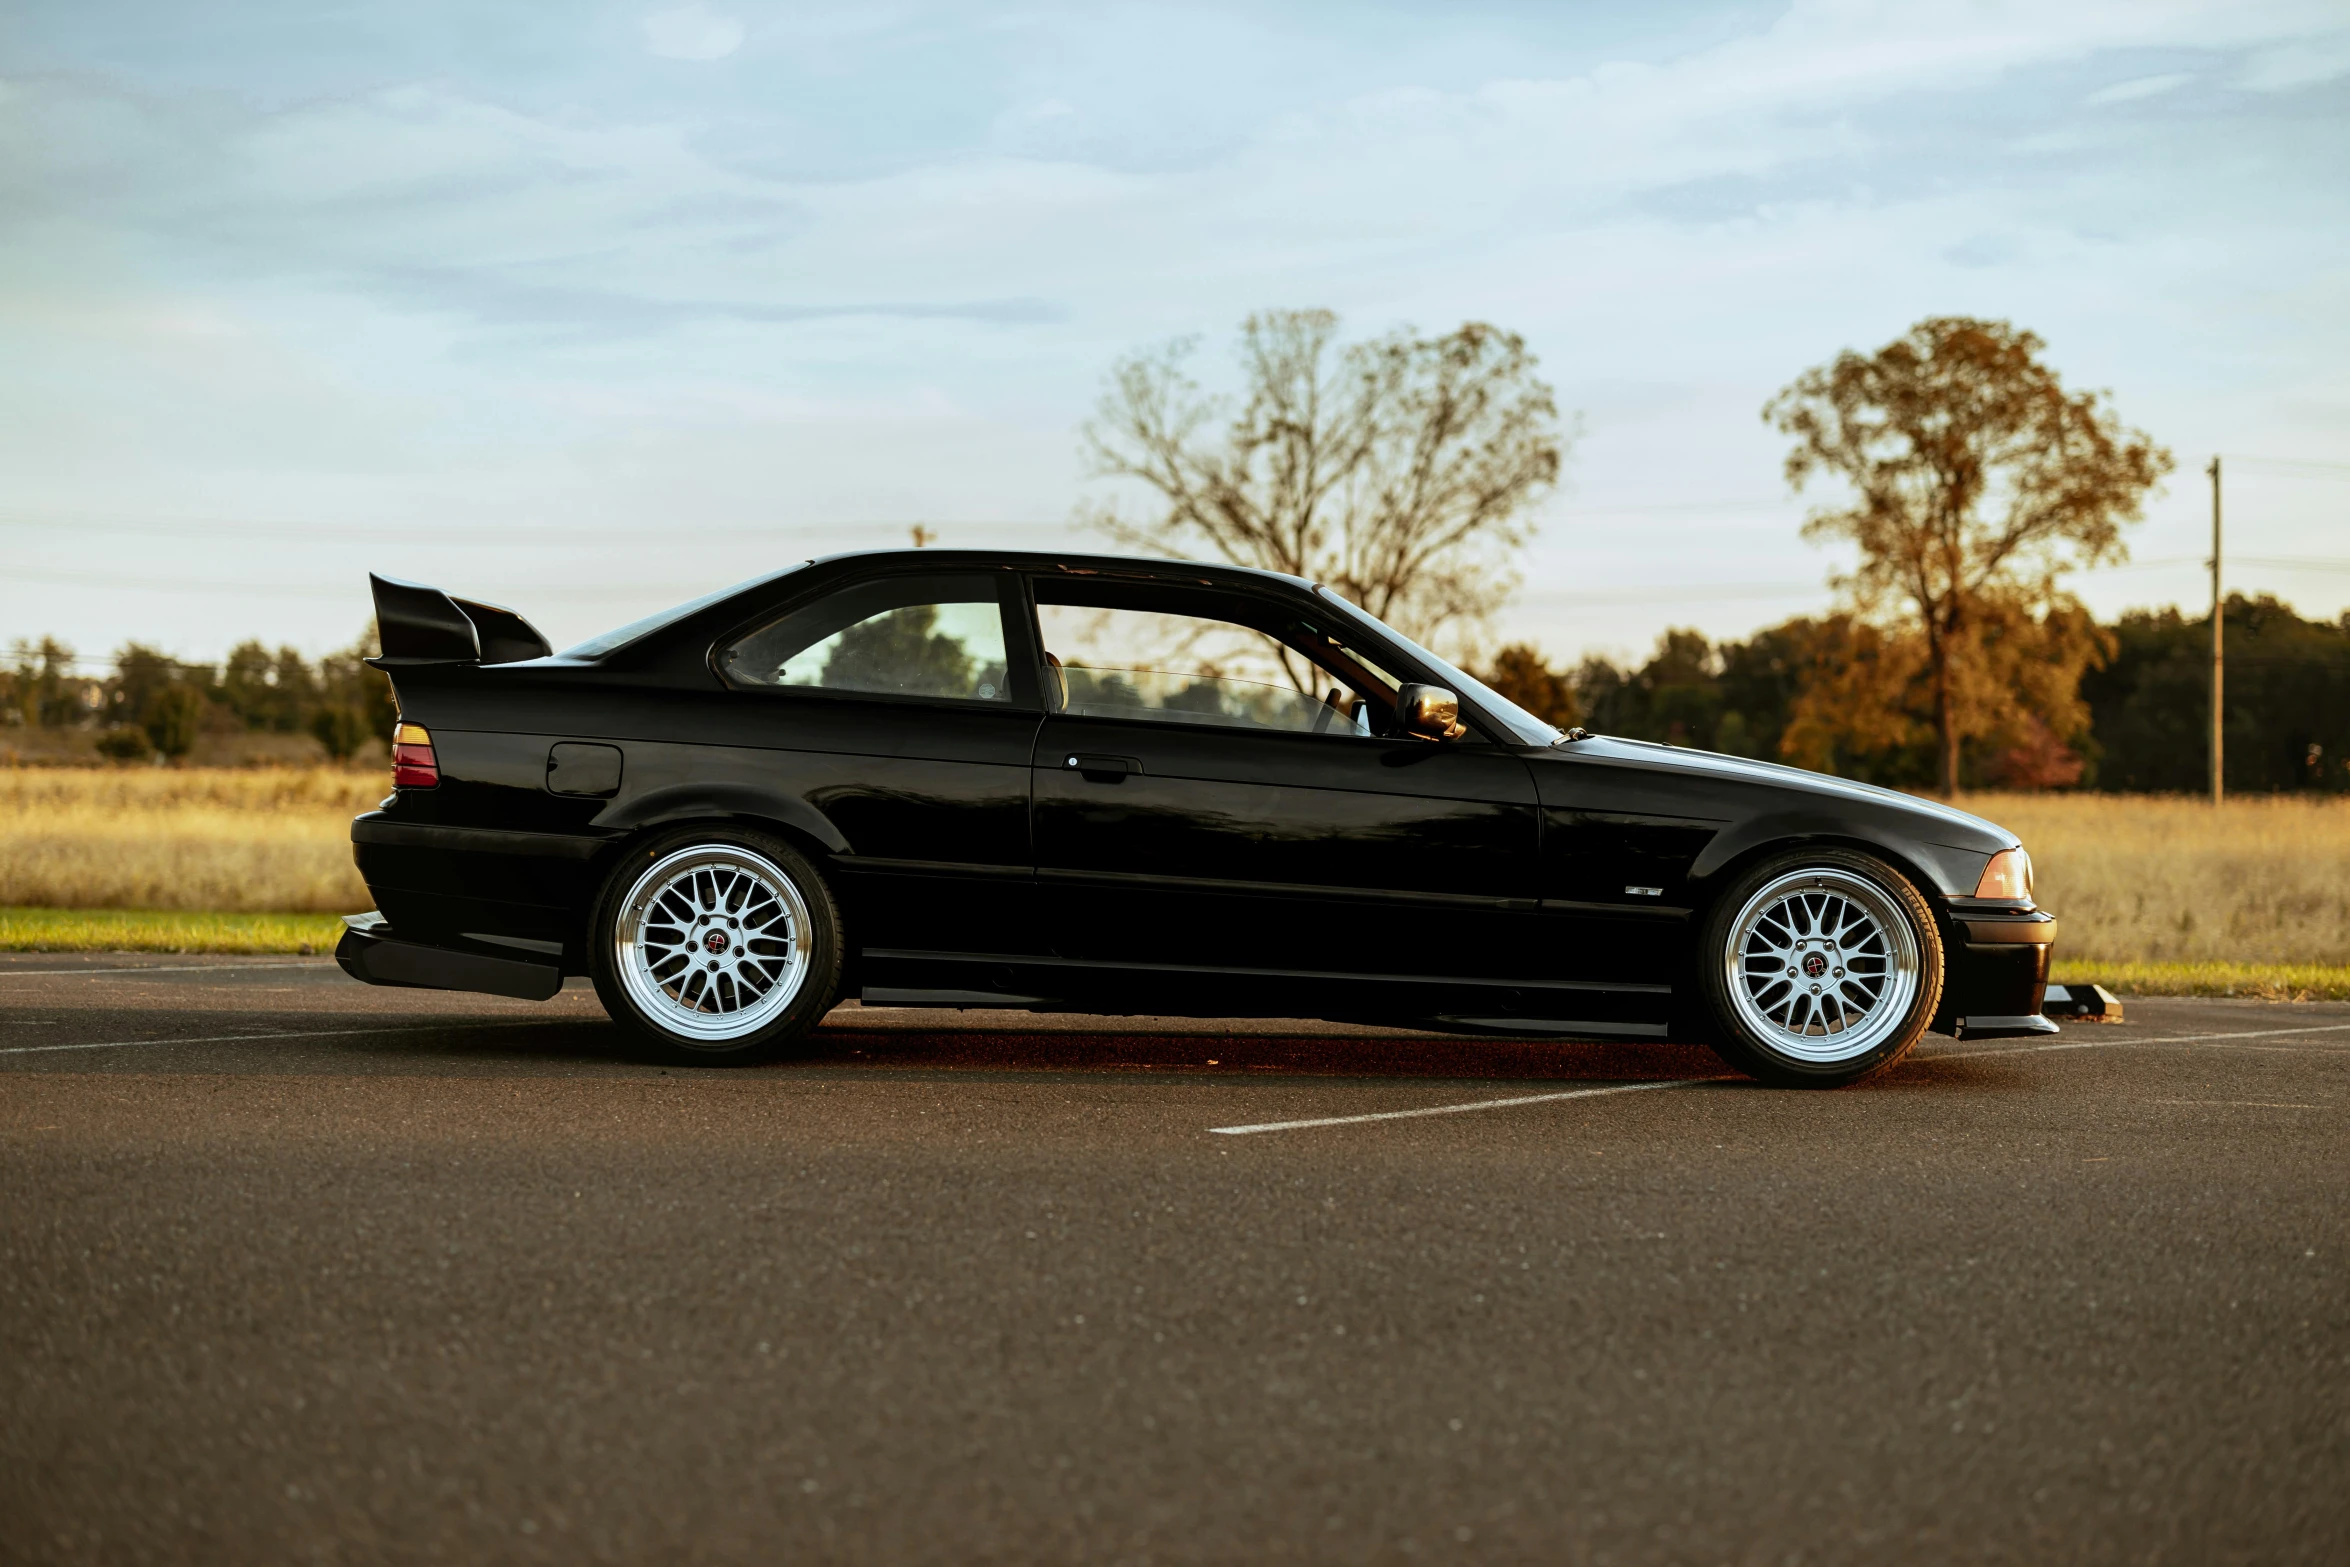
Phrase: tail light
(2009,875)
(413,764)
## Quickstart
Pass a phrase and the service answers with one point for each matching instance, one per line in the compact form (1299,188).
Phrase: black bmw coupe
(1083,783)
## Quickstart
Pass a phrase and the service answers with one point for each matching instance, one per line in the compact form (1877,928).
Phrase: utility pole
(2218,660)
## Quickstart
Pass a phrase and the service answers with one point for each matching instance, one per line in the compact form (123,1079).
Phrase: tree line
(152,705)
(1778,695)
(2137,721)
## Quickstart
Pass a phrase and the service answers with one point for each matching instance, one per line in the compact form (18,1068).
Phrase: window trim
(1014,612)
(1179,718)
(1301,607)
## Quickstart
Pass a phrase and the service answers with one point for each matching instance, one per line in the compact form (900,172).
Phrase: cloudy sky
(588,308)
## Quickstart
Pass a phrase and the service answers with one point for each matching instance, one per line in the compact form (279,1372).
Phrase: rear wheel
(717,947)
(1819,969)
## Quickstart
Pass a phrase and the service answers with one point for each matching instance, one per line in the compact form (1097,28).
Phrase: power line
(354,590)
(2297,562)
(2201,562)
(1665,508)
(530,536)
(2309,463)
(1670,595)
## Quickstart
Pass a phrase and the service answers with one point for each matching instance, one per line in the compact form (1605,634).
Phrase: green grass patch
(2264,981)
(161,930)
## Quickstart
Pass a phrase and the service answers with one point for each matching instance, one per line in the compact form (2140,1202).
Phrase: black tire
(687,927)
(1819,968)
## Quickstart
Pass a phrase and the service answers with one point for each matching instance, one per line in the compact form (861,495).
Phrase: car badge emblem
(715,941)
(1813,964)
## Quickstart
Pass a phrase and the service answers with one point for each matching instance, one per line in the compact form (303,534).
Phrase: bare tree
(1398,471)
(1978,481)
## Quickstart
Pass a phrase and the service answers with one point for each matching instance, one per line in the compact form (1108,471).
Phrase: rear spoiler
(421,625)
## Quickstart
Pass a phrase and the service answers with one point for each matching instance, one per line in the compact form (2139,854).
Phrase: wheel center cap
(1814,965)
(715,941)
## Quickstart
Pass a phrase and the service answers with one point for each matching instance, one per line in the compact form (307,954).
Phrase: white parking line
(2158,1039)
(1481,1104)
(2249,1033)
(308,1033)
(1684,1082)
(154,968)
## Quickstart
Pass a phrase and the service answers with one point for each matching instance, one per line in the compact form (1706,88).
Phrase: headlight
(2009,875)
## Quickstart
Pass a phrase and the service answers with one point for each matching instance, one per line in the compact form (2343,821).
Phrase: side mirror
(1428,713)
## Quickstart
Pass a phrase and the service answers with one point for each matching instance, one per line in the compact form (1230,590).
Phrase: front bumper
(1997,975)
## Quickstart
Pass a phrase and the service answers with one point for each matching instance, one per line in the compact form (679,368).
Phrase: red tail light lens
(413,764)
(2009,875)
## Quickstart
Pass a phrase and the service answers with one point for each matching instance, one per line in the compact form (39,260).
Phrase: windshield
(1523,726)
(610,641)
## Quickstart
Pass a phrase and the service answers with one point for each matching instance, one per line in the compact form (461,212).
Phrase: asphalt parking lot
(292,1269)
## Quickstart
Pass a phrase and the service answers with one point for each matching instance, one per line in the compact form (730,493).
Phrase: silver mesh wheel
(1822,965)
(711,943)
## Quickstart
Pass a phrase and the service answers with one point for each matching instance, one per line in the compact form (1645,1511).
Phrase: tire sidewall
(1751,1053)
(782,1032)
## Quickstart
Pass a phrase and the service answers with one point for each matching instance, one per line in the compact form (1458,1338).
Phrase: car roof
(1045,560)
(681,639)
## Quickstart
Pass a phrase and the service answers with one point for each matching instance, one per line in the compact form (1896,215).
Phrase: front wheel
(717,947)
(1819,969)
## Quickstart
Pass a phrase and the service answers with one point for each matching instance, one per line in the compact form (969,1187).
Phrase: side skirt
(897,977)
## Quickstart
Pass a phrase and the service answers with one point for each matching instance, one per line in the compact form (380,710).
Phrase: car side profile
(1096,784)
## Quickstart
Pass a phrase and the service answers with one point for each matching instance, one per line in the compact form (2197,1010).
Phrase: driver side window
(1174,665)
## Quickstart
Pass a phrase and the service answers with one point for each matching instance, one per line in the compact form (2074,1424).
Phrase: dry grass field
(2158,893)
(193,839)
(2161,879)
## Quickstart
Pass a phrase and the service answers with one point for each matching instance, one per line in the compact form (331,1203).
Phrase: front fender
(1946,871)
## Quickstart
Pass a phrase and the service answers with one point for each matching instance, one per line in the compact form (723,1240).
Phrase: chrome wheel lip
(1870,966)
(756,923)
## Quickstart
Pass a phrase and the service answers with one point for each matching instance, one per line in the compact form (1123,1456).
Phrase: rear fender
(702,802)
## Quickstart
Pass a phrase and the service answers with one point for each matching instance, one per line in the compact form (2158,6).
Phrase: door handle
(1103,769)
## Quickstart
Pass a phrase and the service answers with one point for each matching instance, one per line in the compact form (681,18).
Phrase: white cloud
(2138,87)
(692,31)
(2302,63)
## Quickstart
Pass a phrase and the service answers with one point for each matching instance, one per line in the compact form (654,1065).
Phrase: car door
(902,708)
(1198,812)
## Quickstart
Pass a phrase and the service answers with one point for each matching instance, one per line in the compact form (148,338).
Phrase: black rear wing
(421,625)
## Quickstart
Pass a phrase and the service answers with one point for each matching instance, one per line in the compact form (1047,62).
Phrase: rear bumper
(1997,978)
(448,886)
(370,953)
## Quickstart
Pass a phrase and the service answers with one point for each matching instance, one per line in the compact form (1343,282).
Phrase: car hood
(1939,823)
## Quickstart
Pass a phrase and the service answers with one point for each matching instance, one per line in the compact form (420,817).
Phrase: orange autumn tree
(1519,673)
(1975,482)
